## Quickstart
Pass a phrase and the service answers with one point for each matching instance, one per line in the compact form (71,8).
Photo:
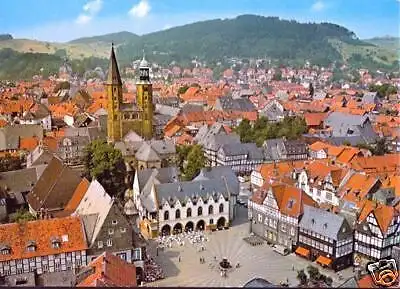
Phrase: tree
(10,163)
(311,89)
(21,216)
(182,152)
(380,148)
(278,76)
(182,89)
(302,277)
(195,162)
(244,130)
(104,163)
(313,272)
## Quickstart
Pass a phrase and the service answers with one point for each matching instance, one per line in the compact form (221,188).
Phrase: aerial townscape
(247,152)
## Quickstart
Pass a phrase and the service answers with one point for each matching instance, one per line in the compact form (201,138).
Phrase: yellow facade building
(124,117)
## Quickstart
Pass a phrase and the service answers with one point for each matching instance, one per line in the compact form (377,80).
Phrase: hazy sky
(63,20)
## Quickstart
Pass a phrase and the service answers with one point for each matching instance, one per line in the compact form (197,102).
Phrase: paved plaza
(255,261)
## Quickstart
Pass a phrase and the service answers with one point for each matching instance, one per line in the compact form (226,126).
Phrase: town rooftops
(322,222)
(36,238)
(54,188)
(108,270)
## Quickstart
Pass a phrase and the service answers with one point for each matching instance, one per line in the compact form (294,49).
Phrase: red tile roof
(110,270)
(17,236)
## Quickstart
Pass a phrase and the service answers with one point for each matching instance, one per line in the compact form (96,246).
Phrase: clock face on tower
(144,74)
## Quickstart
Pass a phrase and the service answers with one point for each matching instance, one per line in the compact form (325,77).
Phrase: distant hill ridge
(247,36)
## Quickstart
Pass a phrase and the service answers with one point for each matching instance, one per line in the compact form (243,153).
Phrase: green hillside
(246,36)
(388,42)
(116,38)
(255,36)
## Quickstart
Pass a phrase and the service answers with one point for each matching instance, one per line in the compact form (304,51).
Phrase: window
(114,222)
(177,214)
(200,211)
(123,230)
(221,208)
(292,231)
(259,218)
(100,244)
(56,244)
(211,221)
(109,242)
(166,215)
(210,210)
(31,248)
(283,227)
(189,212)
(137,254)
(122,256)
(110,231)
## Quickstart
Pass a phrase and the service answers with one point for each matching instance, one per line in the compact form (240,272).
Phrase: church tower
(114,100)
(144,99)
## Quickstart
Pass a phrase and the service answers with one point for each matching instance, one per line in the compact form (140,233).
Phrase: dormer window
(325,225)
(5,250)
(31,246)
(56,244)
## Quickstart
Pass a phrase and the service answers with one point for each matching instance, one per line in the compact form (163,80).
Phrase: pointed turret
(113,78)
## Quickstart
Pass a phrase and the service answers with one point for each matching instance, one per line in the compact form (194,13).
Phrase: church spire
(113,78)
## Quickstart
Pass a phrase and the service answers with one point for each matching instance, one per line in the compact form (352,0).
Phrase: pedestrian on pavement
(292,267)
(179,259)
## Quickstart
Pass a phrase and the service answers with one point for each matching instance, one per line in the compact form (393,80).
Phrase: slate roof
(162,147)
(10,135)
(259,283)
(249,149)
(55,187)
(322,222)
(219,172)
(181,191)
(205,132)
(147,153)
(214,142)
(227,103)
(19,181)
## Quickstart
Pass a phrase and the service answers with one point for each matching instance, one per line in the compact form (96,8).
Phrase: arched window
(166,215)
(188,212)
(200,211)
(210,210)
(221,208)
(177,214)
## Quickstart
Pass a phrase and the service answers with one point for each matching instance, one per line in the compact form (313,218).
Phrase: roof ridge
(51,188)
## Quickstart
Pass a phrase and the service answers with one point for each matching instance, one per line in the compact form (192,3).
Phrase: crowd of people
(152,271)
(193,237)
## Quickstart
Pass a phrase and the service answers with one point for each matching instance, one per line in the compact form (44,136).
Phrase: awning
(302,252)
(281,250)
(323,261)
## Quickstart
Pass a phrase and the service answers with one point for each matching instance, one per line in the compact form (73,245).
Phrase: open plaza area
(185,263)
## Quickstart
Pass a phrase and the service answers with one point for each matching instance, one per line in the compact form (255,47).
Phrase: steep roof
(113,77)
(55,187)
(16,236)
(322,222)
(110,270)
(95,201)
(147,153)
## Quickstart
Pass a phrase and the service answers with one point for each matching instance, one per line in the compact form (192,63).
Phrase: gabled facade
(377,232)
(326,238)
(275,211)
(106,226)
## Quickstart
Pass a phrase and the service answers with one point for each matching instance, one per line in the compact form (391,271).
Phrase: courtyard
(182,266)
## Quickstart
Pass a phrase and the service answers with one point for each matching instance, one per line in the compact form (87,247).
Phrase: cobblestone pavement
(258,261)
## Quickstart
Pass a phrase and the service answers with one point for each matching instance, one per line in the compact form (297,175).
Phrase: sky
(64,20)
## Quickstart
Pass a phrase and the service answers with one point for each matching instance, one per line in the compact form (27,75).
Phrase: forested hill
(251,36)
(246,36)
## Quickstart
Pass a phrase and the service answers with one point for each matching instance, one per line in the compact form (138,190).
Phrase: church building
(125,117)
